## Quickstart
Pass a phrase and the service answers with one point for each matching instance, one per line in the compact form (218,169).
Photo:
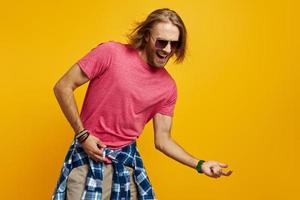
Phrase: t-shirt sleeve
(168,106)
(97,60)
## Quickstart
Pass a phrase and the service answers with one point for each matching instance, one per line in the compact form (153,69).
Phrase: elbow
(161,141)
(57,88)
(160,145)
(60,89)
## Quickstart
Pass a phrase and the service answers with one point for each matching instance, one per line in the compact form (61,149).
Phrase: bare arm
(162,125)
(163,141)
(63,91)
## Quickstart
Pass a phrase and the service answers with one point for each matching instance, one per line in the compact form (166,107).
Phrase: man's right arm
(63,91)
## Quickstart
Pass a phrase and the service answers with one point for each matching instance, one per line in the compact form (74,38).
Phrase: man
(128,87)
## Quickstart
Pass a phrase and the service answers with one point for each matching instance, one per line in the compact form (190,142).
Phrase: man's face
(158,49)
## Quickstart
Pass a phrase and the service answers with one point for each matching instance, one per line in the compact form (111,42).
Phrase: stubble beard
(151,56)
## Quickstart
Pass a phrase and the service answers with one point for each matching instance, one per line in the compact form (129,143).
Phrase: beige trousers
(77,177)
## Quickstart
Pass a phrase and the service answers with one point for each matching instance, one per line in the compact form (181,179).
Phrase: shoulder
(115,47)
(113,44)
(108,45)
(107,49)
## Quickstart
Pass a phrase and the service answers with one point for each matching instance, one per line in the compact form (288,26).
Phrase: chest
(140,87)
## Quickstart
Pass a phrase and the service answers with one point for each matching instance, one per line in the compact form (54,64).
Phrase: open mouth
(161,56)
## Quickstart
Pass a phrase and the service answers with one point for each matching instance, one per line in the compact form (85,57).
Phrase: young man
(128,87)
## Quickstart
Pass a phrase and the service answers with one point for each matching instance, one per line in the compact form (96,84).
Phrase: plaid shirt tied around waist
(126,156)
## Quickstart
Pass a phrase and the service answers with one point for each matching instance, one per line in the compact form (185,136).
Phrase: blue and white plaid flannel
(126,156)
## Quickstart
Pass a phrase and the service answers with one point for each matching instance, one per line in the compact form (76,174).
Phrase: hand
(93,147)
(214,169)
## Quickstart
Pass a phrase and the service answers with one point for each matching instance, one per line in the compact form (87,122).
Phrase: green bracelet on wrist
(199,166)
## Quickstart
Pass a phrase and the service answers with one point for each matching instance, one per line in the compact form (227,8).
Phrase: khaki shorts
(77,177)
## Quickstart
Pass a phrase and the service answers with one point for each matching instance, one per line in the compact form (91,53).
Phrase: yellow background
(238,94)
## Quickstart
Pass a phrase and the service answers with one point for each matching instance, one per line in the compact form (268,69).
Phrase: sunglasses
(161,44)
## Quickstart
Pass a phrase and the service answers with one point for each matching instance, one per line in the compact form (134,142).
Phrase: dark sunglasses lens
(161,44)
(174,44)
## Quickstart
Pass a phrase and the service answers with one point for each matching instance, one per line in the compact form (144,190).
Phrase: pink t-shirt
(123,94)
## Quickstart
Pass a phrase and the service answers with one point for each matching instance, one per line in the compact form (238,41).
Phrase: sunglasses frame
(161,43)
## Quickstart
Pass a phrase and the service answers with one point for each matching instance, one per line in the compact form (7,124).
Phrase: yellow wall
(238,93)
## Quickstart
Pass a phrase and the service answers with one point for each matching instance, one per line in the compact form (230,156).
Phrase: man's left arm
(162,125)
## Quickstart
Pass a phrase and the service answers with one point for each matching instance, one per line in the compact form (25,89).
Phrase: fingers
(214,169)
(207,171)
(217,171)
(100,144)
(97,151)
(228,173)
(98,158)
(94,148)
(223,165)
(97,155)
(98,147)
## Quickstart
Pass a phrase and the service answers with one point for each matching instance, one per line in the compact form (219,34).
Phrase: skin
(166,31)
(162,124)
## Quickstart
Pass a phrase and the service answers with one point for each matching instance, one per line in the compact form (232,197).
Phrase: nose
(168,48)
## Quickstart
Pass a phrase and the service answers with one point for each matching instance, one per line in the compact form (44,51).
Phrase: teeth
(164,56)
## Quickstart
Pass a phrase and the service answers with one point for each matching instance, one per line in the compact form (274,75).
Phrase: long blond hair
(136,37)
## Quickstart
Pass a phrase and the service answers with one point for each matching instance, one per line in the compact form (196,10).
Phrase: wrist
(78,126)
(199,166)
(84,138)
(82,135)
(194,163)
(77,131)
